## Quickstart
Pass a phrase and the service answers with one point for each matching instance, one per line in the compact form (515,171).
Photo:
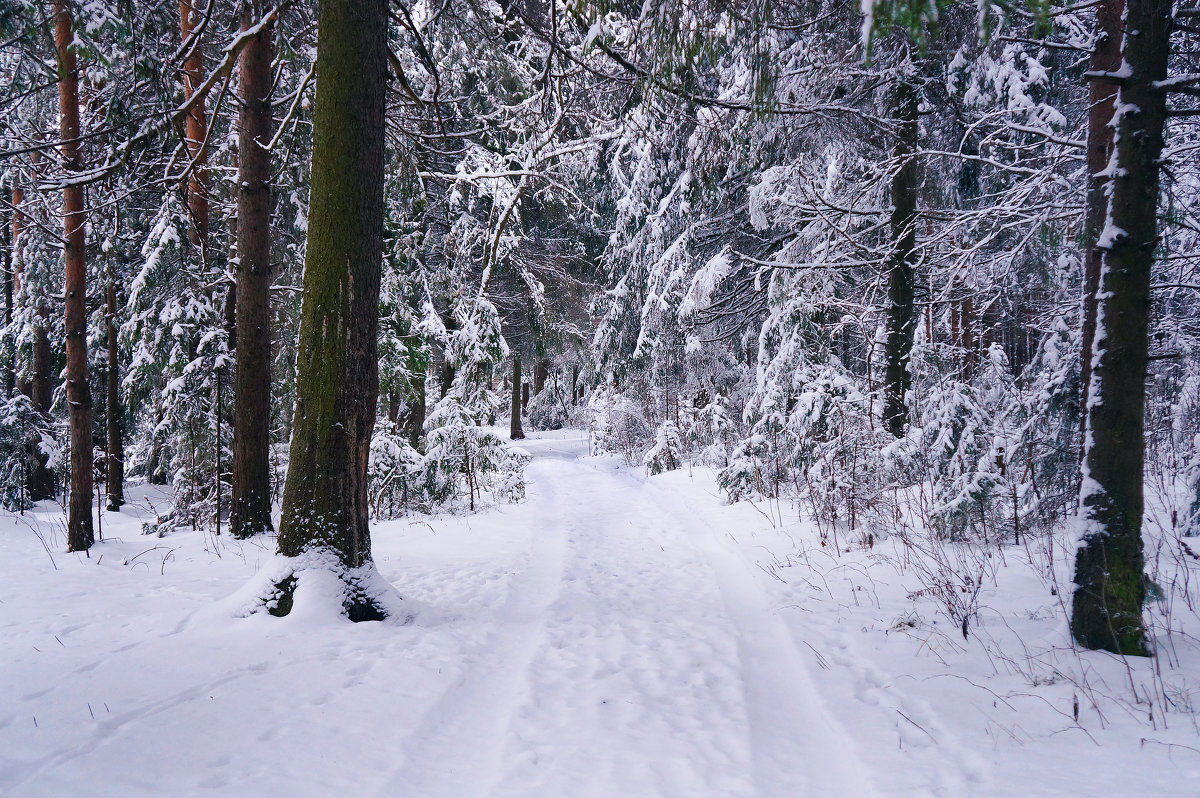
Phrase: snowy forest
(748,398)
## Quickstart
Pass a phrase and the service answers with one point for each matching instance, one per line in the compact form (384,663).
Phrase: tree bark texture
(901,318)
(251,509)
(337,383)
(1102,95)
(79,398)
(113,409)
(514,425)
(195,129)
(1106,609)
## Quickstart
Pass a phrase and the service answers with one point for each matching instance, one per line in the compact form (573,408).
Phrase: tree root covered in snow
(312,584)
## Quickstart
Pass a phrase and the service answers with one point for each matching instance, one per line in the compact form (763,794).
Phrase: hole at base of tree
(359,609)
(281,604)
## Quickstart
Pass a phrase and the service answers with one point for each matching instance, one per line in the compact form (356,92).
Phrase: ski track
(635,656)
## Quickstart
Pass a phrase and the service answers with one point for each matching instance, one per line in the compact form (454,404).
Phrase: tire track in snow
(454,752)
(796,740)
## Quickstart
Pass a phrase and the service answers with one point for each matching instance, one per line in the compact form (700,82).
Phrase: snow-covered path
(637,658)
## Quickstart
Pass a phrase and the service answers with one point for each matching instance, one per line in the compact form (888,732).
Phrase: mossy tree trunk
(337,382)
(1106,610)
(79,398)
(251,509)
(901,315)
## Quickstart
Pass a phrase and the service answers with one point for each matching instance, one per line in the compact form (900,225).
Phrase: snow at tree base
(613,635)
(755,398)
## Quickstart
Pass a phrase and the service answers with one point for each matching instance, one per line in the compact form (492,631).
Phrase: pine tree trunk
(18,269)
(195,130)
(901,318)
(514,424)
(251,509)
(1106,610)
(112,402)
(79,398)
(1102,93)
(574,385)
(337,382)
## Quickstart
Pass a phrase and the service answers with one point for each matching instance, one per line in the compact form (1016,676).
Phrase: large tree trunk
(251,511)
(1102,94)
(901,318)
(79,397)
(514,425)
(337,381)
(112,401)
(1106,611)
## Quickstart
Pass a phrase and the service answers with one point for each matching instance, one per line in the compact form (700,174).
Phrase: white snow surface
(614,636)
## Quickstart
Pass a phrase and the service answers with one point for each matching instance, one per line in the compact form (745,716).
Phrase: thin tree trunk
(1110,590)
(337,382)
(10,353)
(574,385)
(415,415)
(18,269)
(251,510)
(112,404)
(195,131)
(1102,94)
(541,370)
(514,424)
(79,398)
(901,318)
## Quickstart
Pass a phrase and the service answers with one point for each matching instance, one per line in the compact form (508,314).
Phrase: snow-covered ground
(614,636)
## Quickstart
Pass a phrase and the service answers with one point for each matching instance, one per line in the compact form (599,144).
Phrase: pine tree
(251,509)
(1106,611)
(79,398)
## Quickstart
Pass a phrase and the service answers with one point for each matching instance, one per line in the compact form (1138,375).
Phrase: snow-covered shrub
(550,408)
(951,448)
(24,433)
(471,459)
(392,472)
(667,452)
(711,433)
(618,426)
(1044,452)
(462,455)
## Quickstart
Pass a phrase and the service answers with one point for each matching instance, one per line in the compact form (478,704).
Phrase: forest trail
(636,656)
